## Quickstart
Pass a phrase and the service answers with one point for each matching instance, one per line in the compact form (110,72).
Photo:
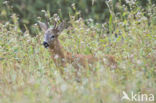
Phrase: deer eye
(52,36)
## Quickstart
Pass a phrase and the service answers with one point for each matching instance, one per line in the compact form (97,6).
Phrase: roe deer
(61,57)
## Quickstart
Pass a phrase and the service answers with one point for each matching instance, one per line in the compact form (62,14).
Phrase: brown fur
(62,58)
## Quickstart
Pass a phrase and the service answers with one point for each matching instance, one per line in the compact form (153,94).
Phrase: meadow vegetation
(28,74)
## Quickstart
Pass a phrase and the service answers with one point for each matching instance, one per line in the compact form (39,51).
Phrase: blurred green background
(28,11)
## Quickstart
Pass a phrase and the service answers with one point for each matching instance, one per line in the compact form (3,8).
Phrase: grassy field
(28,74)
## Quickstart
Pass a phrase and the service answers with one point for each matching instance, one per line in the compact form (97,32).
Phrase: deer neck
(57,49)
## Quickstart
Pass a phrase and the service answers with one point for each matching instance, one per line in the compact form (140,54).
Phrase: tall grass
(28,74)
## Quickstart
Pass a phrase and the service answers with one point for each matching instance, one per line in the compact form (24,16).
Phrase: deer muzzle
(45,44)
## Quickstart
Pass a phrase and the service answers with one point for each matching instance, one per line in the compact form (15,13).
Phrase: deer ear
(43,26)
(61,27)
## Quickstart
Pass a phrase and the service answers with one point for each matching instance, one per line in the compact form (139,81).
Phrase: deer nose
(45,44)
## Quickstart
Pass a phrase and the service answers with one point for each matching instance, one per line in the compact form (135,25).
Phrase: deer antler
(55,24)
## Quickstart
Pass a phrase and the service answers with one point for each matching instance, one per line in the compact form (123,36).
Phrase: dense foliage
(98,10)
(28,74)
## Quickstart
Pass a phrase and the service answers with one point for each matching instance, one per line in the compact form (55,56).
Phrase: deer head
(51,34)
